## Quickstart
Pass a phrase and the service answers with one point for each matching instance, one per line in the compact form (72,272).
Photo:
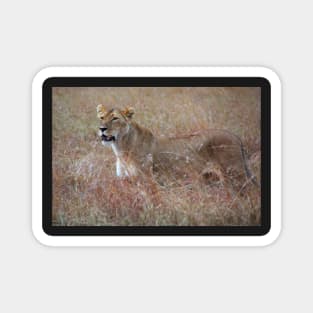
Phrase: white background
(36,34)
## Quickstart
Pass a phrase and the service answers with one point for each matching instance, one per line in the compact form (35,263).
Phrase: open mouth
(107,138)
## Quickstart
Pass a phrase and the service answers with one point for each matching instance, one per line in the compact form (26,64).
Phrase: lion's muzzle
(104,137)
(107,138)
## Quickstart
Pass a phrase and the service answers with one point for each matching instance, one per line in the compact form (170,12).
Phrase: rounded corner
(270,76)
(42,76)
(47,82)
(271,236)
(41,236)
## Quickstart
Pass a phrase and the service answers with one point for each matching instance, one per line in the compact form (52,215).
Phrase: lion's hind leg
(213,173)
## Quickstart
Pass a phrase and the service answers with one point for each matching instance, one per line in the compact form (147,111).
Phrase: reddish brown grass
(85,189)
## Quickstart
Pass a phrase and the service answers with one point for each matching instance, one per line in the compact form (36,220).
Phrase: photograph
(156,156)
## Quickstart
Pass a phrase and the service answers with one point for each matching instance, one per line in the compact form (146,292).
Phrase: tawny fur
(213,154)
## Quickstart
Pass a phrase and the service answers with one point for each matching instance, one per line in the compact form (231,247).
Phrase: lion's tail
(248,172)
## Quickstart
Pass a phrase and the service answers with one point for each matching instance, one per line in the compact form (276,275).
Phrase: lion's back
(193,153)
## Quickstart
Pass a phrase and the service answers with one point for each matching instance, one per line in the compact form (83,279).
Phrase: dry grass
(85,189)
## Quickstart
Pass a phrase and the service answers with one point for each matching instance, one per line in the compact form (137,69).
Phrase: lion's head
(114,123)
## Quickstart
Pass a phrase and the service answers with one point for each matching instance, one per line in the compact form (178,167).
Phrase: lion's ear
(101,111)
(129,112)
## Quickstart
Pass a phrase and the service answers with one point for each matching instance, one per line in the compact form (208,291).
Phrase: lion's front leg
(125,168)
(121,171)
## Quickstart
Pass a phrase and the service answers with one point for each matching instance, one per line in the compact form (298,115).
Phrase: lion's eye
(114,118)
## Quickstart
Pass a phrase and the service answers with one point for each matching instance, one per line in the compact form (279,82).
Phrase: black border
(157,82)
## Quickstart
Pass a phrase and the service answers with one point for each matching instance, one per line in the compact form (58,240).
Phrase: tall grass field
(86,191)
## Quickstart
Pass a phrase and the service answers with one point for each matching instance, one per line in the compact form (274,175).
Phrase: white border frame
(45,239)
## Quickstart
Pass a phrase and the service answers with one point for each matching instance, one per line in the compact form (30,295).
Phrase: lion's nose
(103,128)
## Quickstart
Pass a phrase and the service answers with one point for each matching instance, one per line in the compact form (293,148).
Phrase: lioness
(214,154)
